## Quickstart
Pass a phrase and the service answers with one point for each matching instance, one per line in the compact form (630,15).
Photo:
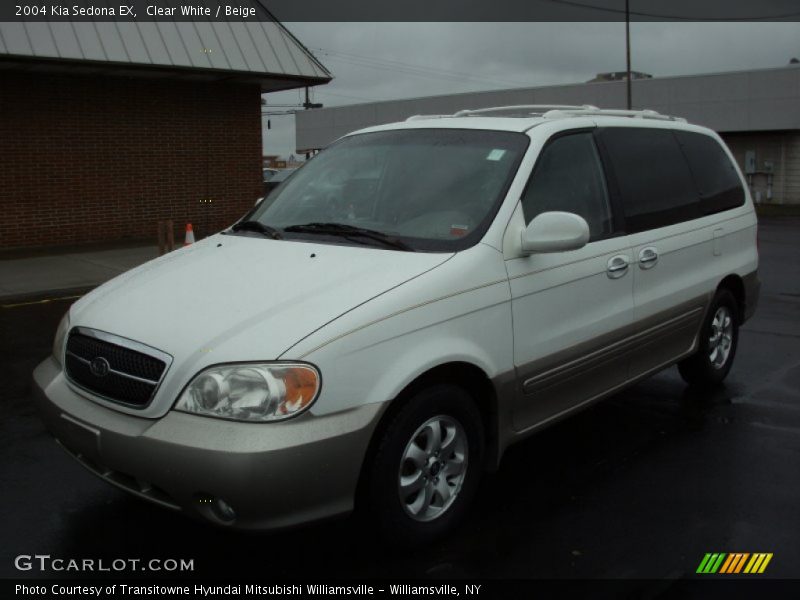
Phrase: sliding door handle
(648,257)
(617,266)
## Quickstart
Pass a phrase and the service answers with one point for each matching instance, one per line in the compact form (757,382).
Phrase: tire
(719,338)
(416,490)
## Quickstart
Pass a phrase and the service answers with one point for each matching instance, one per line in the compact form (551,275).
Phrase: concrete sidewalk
(27,278)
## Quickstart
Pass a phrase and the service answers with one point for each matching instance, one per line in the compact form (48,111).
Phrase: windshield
(432,189)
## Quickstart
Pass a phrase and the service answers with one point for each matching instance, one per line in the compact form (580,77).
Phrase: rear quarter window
(715,176)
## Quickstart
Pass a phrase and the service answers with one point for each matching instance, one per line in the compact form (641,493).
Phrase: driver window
(568,176)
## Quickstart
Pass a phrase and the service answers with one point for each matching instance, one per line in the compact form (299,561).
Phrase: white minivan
(415,299)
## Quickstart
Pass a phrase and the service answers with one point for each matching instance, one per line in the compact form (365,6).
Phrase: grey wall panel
(133,42)
(173,42)
(250,53)
(230,47)
(773,113)
(41,39)
(211,43)
(65,40)
(263,46)
(278,42)
(305,63)
(112,42)
(774,84)
(156,49)
(89,40)
(194,45)
(16,39)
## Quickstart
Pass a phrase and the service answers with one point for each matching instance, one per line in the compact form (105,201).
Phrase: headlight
(58,342)
(255,392)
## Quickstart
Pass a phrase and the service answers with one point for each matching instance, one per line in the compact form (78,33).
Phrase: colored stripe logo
(734,562)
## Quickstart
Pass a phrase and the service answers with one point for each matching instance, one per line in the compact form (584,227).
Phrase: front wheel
(719,338)
(426,469)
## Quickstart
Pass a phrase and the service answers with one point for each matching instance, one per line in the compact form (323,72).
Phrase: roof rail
(610,112)
(556,111)
(422,117)
(530,108)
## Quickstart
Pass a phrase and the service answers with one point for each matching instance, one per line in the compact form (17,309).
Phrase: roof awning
(263,52)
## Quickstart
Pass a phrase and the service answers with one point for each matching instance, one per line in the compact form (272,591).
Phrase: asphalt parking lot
(640,486)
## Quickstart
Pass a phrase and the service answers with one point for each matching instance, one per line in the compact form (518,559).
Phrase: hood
(231,297)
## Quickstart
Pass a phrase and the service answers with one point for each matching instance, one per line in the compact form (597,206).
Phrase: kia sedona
(415,299)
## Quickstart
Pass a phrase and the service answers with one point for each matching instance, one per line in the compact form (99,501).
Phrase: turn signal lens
(254,392)
(301,389)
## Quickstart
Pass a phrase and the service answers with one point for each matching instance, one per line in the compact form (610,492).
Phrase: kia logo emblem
(99,367)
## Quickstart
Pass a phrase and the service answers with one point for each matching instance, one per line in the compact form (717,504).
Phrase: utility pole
(627,52)
(306,105)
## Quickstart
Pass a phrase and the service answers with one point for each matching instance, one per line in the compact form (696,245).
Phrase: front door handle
(648,257)
(617,266)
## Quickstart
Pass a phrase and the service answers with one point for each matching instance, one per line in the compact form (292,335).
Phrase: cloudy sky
(386,61)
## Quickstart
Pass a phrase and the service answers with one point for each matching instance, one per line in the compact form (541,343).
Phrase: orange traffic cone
(189,235)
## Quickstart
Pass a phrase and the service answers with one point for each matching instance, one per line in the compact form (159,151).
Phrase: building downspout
(783,170)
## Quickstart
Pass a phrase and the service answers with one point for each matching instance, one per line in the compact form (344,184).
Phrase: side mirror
(555,232)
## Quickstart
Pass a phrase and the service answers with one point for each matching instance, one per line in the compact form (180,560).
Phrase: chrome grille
(114,368)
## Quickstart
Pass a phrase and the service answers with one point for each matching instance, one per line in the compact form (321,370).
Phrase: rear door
(570,309)
(672,245)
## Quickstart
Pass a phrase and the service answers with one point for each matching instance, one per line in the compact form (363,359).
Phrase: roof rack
(538,109)
(610,112)
(422,117)
(555,111)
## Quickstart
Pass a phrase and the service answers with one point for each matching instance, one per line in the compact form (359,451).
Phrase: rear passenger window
(654,180)
(715,176)
(569,177)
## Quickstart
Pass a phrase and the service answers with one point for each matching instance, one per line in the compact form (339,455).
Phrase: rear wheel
(426,469)
(719,338)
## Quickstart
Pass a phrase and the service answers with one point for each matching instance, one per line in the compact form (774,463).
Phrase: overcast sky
(387,61)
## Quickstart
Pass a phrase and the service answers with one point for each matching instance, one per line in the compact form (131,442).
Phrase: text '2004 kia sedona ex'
(412,301)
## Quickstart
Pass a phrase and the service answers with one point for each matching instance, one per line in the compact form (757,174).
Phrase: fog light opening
(223,511)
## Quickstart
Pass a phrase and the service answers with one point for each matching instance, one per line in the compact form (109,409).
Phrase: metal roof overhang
(268,82)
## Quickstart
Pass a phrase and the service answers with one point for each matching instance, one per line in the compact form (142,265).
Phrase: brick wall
(102,159)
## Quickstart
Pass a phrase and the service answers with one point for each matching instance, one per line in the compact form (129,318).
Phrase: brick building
(106,128)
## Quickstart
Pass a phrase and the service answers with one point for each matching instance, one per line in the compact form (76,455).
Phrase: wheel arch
(735,285)
(466,375)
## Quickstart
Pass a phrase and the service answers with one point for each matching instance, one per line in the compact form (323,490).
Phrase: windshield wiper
(349,231)
(258,227)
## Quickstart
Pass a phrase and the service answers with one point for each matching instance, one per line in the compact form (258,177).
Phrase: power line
(419,73)
(408,68)
(673,17)
(327,93)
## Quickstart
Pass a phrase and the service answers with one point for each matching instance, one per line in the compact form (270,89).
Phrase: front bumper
(272,475)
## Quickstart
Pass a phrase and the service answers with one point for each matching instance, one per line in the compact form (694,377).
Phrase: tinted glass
(715,176)
(568,177)
(655,184)
(435,189)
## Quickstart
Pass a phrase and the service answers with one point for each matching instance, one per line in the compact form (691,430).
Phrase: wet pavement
(641,485)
